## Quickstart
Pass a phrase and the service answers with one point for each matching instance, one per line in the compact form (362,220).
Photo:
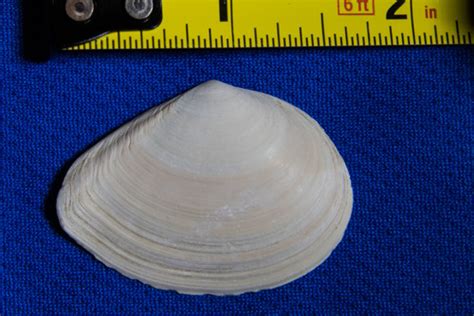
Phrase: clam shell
(221,190)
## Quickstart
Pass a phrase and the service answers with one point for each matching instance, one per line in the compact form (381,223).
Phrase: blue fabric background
(401,117)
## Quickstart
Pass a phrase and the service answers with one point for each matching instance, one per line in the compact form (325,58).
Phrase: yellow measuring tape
(299,23)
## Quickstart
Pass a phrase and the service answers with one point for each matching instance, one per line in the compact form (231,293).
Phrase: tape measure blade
(212,24)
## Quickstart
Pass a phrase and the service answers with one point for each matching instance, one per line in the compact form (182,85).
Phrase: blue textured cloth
(402,119)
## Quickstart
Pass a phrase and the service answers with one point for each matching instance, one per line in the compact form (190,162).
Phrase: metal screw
(139,9)
(79,10)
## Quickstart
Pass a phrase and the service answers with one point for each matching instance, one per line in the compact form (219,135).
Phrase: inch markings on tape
(190,24)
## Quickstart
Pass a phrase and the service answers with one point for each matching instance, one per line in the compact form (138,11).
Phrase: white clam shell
(221,191)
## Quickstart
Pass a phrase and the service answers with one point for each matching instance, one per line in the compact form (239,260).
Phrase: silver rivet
(139,9)
(79,10)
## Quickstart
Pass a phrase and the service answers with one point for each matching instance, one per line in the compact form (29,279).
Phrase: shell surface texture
(219,191)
